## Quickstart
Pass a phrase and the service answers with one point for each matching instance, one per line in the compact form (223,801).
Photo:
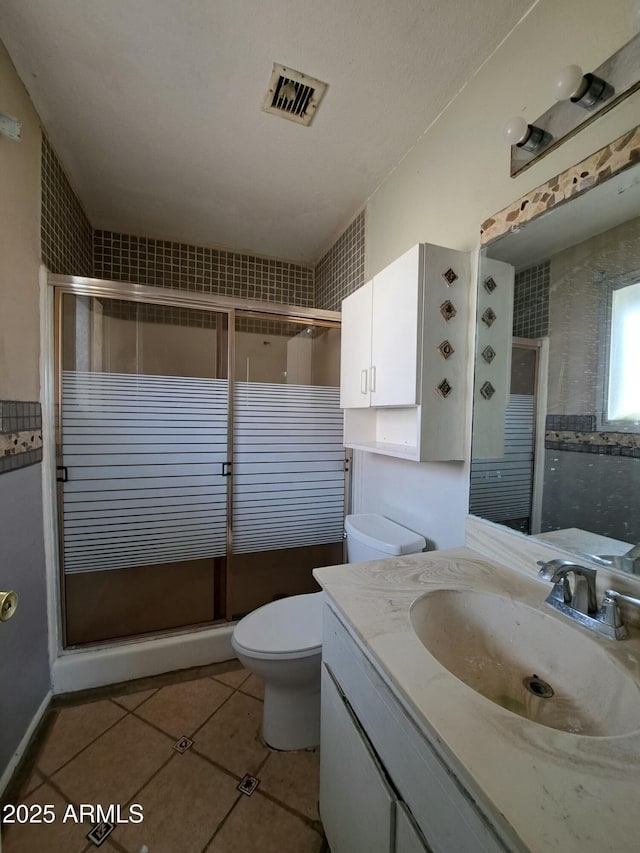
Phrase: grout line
(86,746)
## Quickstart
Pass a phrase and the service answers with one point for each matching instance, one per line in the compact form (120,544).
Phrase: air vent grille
(293,95)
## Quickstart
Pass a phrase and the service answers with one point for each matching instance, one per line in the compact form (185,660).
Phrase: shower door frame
(141,293)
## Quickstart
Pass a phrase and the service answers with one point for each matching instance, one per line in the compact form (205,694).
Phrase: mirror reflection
(556,436)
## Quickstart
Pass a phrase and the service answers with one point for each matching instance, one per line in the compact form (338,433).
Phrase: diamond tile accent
(487,390)
(444,388)
(448,311)
(100,832)
(183,744)
(449,276)
(488,317)
(490,284)
(446,350)
(488,353)
(248,785)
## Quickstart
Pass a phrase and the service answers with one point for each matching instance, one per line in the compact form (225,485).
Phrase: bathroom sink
(527,661)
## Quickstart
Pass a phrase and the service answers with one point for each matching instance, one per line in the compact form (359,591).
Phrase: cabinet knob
(8,604)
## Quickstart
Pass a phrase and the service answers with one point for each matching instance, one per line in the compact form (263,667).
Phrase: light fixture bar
(566,118)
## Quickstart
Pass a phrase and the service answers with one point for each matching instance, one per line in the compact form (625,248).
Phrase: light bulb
(570,83)
(516,131)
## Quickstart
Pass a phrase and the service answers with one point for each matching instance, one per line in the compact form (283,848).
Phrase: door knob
(8,604)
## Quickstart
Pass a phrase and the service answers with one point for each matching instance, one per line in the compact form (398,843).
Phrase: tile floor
(115,746)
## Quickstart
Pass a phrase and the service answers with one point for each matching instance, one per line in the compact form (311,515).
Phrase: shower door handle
(227,469)
(62,474)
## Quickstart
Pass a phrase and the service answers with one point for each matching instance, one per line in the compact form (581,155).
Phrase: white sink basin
(512,654)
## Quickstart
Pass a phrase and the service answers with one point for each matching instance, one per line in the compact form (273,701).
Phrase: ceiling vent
(293,95)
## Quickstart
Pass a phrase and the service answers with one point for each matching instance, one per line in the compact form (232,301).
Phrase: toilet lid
(287,627)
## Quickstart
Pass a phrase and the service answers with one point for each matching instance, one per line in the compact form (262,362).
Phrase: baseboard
(83,669)
(24,743)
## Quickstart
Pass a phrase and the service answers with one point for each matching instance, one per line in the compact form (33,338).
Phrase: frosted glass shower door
(289,460)
(143,452)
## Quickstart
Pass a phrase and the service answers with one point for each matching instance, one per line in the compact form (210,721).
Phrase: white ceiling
(154,106)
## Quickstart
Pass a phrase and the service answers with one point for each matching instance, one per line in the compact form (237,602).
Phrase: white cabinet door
(355,801)
(394,331)
(355,353)
(408,839)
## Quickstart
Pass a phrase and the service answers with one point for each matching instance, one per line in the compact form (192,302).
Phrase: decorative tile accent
(488,353)
(162,263)
(446,350)
(444,388)
(531,301)
(183,744)
(20,435)
(341,270)
(593,170)
(248,785)
(448,311)
(577,434)
(100,832)
(65,232)
(488,317)
(490,284)
(487,390)
(449,276)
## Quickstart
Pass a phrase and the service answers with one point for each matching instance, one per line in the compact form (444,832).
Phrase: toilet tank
(374,537)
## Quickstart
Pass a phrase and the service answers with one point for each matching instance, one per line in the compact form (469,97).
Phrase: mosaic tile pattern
(66,234)
(162,263)
(341,270)
(531,301)
(20,435)
(578,434)
(595,169)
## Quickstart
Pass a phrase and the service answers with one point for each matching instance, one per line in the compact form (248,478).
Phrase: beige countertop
(550,789)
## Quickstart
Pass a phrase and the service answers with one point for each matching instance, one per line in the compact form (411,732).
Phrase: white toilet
(282,641)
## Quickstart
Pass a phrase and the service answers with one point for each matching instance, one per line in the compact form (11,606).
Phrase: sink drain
(538,687)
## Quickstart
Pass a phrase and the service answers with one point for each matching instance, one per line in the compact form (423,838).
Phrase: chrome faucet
(581,603)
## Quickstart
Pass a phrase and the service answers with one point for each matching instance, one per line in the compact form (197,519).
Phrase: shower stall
(199,460)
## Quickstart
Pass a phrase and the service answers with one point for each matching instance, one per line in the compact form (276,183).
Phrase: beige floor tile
(55,837)
(28,785)
(73,729)
(130,701)
(113,768)
(233,679)
(293,778)
(231,736)
(183,805)
(254,686)
(257,824)
(179,709)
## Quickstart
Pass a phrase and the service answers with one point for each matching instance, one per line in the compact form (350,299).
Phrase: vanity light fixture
(586,90)
(596,93)
(518,131)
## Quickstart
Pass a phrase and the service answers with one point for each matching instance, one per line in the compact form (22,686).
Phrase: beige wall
(457,174)
(19,243)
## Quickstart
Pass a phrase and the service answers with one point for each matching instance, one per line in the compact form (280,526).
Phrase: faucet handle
(621,596)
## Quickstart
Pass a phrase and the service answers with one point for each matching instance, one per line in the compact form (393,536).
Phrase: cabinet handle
(372,381)
(363,381)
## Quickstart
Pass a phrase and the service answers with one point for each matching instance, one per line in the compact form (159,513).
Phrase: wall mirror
(556,428)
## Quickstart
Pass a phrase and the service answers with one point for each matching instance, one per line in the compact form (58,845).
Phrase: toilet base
(291,718)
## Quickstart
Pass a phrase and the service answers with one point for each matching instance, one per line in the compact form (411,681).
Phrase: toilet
(282,641)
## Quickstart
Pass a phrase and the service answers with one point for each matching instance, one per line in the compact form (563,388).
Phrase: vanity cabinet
(403,374)
(383,787)
(360,809)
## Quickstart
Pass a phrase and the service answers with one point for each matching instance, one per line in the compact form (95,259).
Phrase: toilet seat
(284,629)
